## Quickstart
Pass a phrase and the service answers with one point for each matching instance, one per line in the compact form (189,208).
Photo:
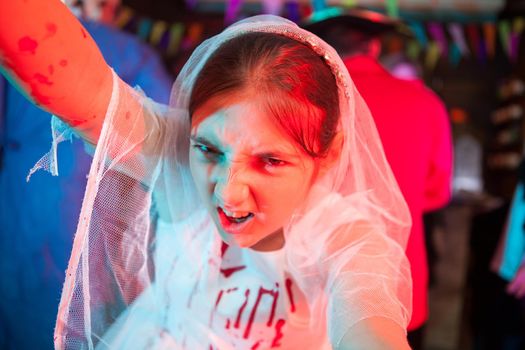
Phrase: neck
(275,241)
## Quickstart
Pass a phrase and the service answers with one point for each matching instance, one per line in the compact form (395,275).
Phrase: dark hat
(366,21)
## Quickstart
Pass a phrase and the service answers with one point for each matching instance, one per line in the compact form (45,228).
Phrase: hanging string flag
(454,54)
(306,9)
(349,3)
(191,4)
(318,5)
(437,33)
(482,52)
(176,32)
(124,17)
(395,44)
(432,55)
(489,33)
(144,29)
(413,49)
(473,39)
(292,11)
(518,25)
(232,10)
(392,8)
(517,30)
(504,35)
(272,7)
(458,37)
(158,30)
(419,32)
(195,33)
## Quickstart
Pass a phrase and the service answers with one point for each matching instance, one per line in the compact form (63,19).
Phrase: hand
(517,286)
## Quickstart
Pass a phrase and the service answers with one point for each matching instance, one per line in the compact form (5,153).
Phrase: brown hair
(299,89)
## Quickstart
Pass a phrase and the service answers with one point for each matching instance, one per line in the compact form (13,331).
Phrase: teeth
(236,214)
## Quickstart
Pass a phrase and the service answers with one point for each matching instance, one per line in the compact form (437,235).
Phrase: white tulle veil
(347,240)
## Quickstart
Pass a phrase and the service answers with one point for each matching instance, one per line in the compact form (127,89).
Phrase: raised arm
(52,59)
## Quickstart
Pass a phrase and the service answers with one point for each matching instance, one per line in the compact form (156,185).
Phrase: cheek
(199,174)
(284,195)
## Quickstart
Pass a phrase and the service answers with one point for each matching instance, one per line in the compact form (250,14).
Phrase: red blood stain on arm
(42,79)
(27,44)
(255,346)
(51,30)
(63,62)
(76,122)
(40,99)
(84,35)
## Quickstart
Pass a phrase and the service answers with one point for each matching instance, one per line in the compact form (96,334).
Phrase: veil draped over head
(345,242)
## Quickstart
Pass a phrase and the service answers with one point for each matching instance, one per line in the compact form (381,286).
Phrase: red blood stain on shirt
(241,309)
(63,62)
(231,270)
(83,33)
(217,301)
(224,247)
(42,79)
(275,295)
(256,345)
(51,69)
(26,44)
(262,291)
(290,295)
(278,333)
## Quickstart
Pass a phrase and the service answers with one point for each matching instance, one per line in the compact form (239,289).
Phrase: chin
(229,239)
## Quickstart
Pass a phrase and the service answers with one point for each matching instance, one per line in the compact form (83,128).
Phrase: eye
(208,152)
(273,162)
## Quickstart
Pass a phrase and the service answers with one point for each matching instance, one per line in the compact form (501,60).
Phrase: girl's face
(249,173)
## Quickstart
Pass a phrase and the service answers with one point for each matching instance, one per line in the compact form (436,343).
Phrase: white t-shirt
(252,304)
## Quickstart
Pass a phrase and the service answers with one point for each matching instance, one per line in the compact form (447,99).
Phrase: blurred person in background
(402,67)
(38,218)
(412,123)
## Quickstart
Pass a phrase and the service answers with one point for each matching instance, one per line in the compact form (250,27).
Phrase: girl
(256,211)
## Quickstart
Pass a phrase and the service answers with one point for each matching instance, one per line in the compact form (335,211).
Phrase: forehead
(240,122)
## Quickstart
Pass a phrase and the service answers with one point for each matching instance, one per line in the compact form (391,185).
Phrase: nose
(230,188)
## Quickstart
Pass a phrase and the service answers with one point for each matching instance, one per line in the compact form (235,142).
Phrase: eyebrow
(202,140)
(265,153)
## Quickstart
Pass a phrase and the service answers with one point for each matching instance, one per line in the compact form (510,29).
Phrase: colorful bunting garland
(434,40)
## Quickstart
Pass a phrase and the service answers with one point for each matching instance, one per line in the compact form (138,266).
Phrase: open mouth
(233,219)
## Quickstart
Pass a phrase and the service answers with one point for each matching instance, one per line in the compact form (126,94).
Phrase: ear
(374,47)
